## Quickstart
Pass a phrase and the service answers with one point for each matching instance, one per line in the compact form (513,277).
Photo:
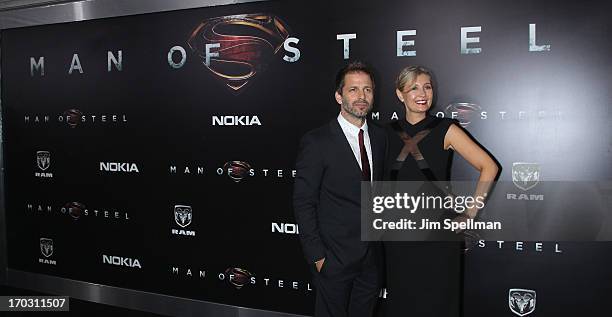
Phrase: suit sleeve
(309,174)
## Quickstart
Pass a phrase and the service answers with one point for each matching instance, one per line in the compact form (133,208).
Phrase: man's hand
(319,264)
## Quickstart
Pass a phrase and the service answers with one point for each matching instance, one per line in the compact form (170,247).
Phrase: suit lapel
(344,146)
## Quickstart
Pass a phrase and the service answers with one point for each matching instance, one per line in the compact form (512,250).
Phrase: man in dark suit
(332,162)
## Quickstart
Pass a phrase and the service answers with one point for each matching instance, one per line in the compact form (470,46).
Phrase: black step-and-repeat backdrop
(156,152)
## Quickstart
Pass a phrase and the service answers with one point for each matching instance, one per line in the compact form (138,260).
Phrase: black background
(169,113)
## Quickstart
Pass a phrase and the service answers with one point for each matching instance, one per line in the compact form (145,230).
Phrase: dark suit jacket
(327,193)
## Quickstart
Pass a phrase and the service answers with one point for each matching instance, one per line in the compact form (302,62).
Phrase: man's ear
(338,98)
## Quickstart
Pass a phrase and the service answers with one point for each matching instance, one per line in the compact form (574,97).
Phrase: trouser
(348,291)
(423,279)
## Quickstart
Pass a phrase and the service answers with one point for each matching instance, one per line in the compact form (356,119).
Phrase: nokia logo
(288,228)
(121,261)
(235,120)
(118,167)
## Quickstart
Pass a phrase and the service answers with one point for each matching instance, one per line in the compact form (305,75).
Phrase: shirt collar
(351,128)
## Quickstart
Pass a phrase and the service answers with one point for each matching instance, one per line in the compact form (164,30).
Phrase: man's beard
(356,112)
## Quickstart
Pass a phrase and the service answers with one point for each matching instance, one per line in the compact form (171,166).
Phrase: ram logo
(522,302)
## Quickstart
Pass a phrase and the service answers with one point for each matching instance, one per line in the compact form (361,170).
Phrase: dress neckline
(425,120)
(412,129)
(418,123)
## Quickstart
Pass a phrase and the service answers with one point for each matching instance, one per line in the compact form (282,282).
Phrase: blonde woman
(424,278)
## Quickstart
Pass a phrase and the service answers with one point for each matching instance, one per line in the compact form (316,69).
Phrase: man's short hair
(352,67)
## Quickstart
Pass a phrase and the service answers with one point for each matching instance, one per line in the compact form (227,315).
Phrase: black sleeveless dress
(422,278)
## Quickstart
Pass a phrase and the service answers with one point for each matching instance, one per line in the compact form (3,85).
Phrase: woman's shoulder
(444,119)
(445,123)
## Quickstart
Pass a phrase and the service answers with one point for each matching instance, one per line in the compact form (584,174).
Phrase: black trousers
(348,291)
(423,279)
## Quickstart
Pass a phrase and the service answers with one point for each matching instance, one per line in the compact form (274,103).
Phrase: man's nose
(361,94)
